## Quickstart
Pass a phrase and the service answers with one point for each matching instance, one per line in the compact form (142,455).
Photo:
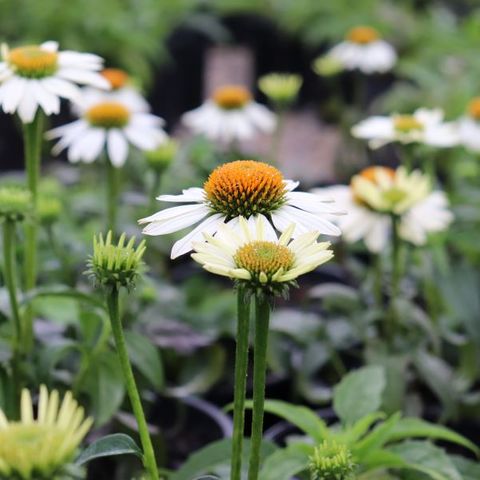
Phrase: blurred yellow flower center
(261,256)
(407,124)
(371,173)
(231,97)
(362,35)
(33,61)
(108,115)
(245,188)
(474,108)
(117,78)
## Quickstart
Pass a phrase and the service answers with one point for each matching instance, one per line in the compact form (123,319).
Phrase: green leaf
(108,446)
(416,427)
(62,292)
(427,458)
(146,358)
(104,385)
(468,469)
(361,427)
(359,393)
(302,417)
(377,437)
(284,464)
(215,456)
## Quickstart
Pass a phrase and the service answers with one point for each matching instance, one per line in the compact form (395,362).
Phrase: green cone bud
(116,265)
(281,88)
(331,461)
(15,203)
(161,158)
(327,66)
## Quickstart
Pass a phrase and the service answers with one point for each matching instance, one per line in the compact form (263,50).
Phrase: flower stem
(32,146)
(157,178)
(11,284)
(396,272)
(113,188)
(277,135)
(262,313)
(241,365)
(117,329)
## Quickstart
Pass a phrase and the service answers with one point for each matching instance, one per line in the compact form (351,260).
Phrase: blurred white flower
(253,255)
(469,126)
(363,49)
(377,193)
(110,125)
(230,115)
(424,126)
(36,76)
(243,188)
(122,90)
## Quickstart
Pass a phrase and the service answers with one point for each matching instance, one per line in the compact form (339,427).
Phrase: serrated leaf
(108,446)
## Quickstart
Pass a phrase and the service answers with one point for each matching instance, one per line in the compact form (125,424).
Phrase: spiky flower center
(331,461)
(362,35)
(231,97)
(117,78)
(245,188)
(407,124)
(474,108)
(33,61)
(108,115)
(264,257)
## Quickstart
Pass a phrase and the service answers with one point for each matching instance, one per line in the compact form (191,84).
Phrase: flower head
(332,461)
(230,114)
(327,66)
(38,448)
(254,255)
(15,203)
(281,88)
(364,49)
(161,158)
(34,76)
(241,188)
(110,123)
(49,209)
(378,193)
(116,265)
(423,126)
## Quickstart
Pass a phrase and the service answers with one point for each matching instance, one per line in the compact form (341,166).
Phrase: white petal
(28,105)
(165,215)
(117,147)
(49,102)
(62,88)
(177,223)
(84,77)
(11,93)
(50,46)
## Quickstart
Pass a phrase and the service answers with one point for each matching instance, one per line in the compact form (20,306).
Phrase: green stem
(157,178)
(377,282)
(113,188)
(277,135)
(262,313)
(11,284)
(62,256)
(241,365)
(149,455)
(32,134)
(396,274)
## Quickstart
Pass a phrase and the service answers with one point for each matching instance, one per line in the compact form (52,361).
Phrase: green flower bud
(281,88)
(49,209)
(116,265)
(327,66)
(331,461)
(15,203)
(161,158)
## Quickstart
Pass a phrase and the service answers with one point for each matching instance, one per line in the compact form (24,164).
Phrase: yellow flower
(34,448)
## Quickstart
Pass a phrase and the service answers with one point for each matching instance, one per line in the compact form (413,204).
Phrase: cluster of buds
(332,461)
(116,265)
(15,203)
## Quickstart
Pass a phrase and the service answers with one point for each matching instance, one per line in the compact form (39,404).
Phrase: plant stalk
(241,365)
(112,192)
(262,313)
(117,329)
(157,179)
(396,276)
(32,135)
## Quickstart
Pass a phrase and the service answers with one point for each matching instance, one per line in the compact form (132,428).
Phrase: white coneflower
(36,76)
(108,124)
(243,188)
(364,49)
(40,447)
(469,126)
(378,193)
(230,115)
(252,255)
(423,126)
